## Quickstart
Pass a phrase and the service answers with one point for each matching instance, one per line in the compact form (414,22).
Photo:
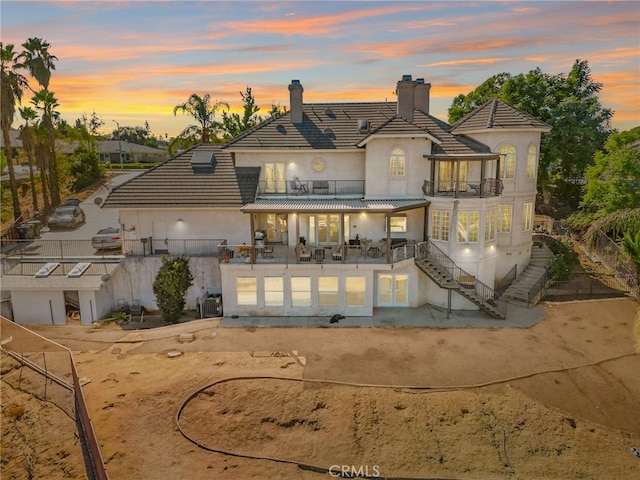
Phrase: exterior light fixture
(180,220)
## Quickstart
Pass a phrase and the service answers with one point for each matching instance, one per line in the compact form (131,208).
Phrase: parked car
(107,239)
(71,202)
(66,217)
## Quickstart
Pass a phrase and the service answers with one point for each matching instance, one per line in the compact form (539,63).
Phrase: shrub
(170,286)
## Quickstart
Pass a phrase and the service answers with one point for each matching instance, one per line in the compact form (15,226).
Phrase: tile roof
(174,183)
(334,205)
(335,126)
(497,114)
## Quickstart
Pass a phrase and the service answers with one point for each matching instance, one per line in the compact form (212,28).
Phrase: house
(344,207)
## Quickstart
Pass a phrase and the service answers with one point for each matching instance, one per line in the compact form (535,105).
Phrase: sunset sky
(133,61)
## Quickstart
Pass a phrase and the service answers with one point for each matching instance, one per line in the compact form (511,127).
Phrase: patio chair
(298,187)
(336,253)
(304,253)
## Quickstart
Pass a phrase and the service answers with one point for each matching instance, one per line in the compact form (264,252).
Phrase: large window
(247,291)
(396,163)
(273,292)
(393,289)
(440,225)
(447,176)
(505,213)
(532,158)
(355,291)
(327,291)
(468,225)
(274,181)
(490,225)
(301,291)
(509,159)
(527,213)
(398,223)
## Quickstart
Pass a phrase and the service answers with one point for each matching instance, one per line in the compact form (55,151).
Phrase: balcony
(490,187)
(297,187)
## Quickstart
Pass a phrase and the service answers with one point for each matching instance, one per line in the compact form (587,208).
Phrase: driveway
(97,217)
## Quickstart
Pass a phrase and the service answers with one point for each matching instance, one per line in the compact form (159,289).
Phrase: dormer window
(396,163)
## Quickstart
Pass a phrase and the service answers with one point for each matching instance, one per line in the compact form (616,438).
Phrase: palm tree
(11,86)
(204,113)
(37,59)
(45,101)
(28,138)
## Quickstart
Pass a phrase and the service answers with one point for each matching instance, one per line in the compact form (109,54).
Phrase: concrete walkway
(421,317)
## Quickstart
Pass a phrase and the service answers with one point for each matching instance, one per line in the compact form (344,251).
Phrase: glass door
(274,181)
(325,229)
(447,176)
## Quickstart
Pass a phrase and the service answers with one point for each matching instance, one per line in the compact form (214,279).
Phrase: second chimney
(405,92)
(295,101)
(422,95)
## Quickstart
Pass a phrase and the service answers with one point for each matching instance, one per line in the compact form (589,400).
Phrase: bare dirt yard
(558,400)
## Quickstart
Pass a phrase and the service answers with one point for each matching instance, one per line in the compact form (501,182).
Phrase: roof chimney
(421,98)
(295,101)
(405,92)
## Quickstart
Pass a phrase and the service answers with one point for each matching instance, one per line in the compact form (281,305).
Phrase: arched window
(509,159)
(532,159)
(396,163)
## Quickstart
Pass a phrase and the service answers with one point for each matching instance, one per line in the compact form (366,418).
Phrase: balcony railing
(298,187)
(370,252)
(490,187)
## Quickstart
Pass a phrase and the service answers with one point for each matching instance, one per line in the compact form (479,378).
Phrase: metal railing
(311,187)
(507,280)
(446,188)
(205,247)
(26,249)
(464,279)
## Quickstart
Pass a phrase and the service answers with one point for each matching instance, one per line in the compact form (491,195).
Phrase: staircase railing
(507,280)
(461,277)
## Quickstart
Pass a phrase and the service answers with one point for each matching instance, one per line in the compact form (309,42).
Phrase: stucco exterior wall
(342,165)
(380,183)
(230,224)
(43,308)
(134,280)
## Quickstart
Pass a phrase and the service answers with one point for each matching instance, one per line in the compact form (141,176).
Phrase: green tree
(170,286)
(28,139)
(204,113)
(234,124)
(137,134)
(46,102)
(12,84)
(569,103)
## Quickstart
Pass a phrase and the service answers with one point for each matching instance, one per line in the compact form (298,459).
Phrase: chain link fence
(45,369)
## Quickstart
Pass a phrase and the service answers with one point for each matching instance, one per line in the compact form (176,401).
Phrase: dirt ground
(558,400)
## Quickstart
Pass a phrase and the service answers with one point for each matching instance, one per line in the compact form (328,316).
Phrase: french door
(274,180)
(447,176)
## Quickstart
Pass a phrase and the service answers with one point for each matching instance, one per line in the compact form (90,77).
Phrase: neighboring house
(113,151)
(376,190)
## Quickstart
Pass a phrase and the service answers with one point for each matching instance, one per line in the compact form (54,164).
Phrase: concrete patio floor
(422,317)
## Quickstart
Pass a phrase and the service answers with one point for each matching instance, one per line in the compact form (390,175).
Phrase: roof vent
(330,113)
(47,270)
(78,270)
(329,133)
(202,161)
(406,78)
(363,125)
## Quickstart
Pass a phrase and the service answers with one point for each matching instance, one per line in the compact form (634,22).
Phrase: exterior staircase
(527,286)
(446,274)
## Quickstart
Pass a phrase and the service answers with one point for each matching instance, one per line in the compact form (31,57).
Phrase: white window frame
(247,291)
(397,163)
(532,160)
(328,291)
(300,297)
(273,291)
(527,216)
(440,224)
(468,226)
(502,209)
(355,295)
(490,225)
(509,156)
(395,278)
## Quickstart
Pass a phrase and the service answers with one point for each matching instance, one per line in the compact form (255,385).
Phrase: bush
(566,258)
(170,286)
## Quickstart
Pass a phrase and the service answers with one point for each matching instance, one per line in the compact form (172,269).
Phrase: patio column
(433,178)
(297,249)
(388,237)
(253,238)
(482,166)
(456,185)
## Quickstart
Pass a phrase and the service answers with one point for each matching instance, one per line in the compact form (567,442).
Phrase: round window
(318,164)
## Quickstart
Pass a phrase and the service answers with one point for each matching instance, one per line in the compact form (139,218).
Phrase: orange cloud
(469,61)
